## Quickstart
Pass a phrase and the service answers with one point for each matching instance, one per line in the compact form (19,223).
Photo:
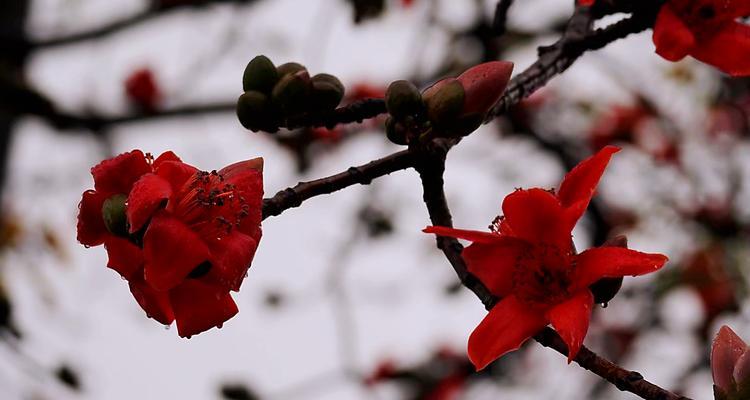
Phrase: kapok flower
(528,261)
(142,89)
(186,239)
(707,30)
(730,366)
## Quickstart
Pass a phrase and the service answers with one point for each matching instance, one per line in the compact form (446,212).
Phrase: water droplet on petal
(605,304)
(166,327)
(219,326)
(86,246)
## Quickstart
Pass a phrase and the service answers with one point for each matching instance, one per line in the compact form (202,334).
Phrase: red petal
(230,259)
(171,252)
(741,372)
(199,306)
(166,156)
(124,257)
(484,84)
(536,216)
(727,348)
(176,173)
(247,178)
(149,194)
(614,262)
(474,236)
(672,37)
(91,229)
(118,174)
(507,326)
(579,184)
(728,49)
(571,320)
(494,263)
(155,304)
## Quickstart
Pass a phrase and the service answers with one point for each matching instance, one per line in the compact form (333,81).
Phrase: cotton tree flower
(730,366)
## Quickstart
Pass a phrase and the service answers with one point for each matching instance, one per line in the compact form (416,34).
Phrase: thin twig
(500,19)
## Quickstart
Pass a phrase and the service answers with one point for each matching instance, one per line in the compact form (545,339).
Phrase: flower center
(542,275)
(211,206)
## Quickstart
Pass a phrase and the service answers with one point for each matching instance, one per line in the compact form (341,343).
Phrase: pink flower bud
(726,352)
(484,85)
(741,372)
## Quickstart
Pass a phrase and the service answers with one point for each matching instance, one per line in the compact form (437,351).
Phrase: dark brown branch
(363,175)
(501,16)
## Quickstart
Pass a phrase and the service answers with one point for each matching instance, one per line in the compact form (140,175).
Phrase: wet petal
(474,236)
(536,216)
(148,194)
(171,251)
(613,262)
(579,184)
(672,37)
(91,229)
(507,326)
(200,306)
(166,156)
(124,257)
(247,178)
(494,263)
(156,304)
(728,49)
(176,173)
(118,174)
(726,350)
(571,320)
(230,259)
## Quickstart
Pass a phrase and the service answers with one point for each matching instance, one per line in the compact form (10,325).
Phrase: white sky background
(74,310)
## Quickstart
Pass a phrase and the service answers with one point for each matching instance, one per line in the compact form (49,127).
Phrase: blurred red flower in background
(529,261)
(183,238)
(142,90)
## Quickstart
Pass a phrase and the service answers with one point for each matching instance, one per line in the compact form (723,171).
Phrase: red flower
(707,30)
(142,89)
(186,239)
(529,261)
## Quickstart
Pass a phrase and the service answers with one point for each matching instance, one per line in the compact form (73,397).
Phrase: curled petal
(200,306)
(613,262)
(507,326)
(148,194)
(494,263)
(230,259)
(474,236)
(156,304)
(673,39)
(536,216)
(91,228)
(124,257)
(579,184)
(571,320)
(726,350)
(118,174)
(166,156)
(171,251)
(176,173)
(728,49)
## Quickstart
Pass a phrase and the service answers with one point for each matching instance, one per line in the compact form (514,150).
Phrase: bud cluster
(274,94)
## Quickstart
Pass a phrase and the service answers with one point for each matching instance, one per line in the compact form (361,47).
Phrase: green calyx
(113,214)
(260,74)
(327,92)
(255,112)
(445,103)
(403,99)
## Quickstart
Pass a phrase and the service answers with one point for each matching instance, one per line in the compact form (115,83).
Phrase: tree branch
(363,175)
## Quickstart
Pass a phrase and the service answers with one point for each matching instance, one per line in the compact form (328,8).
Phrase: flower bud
(484,85)
(327,92)
(606,289)
(292,93)
(444,101)
(289,68)
(726,352)
(395,131)
(255,113)
(260,74)
(113,214)
(402,99)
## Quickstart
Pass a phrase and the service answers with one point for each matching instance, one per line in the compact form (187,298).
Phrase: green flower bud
(327,92)
(403,98)
(255,112)
(289,68)
(395,131)
(444,102)
(113,214)
(292,93)
(260,74)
